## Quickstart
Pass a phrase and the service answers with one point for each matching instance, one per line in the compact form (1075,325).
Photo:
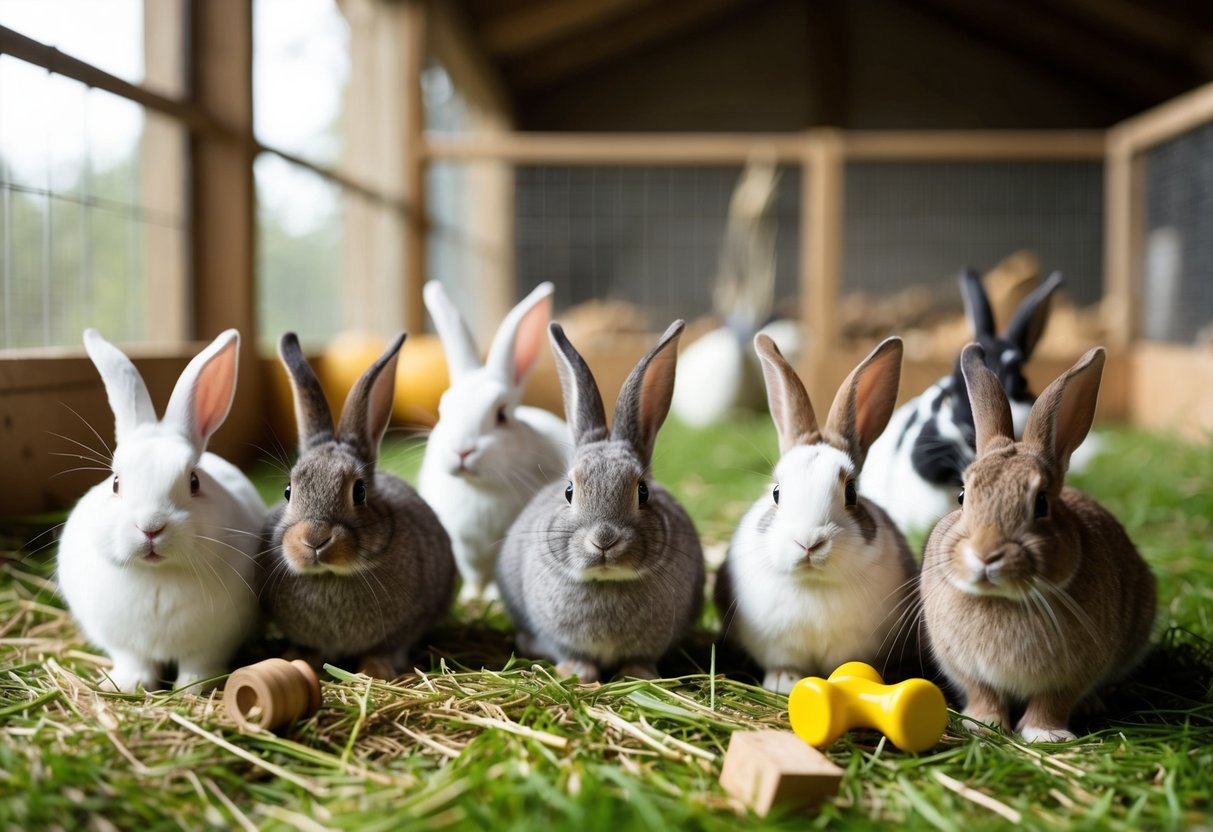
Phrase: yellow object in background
(421,374)
(912,714)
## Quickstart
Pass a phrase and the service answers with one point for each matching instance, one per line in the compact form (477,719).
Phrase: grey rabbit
(604,571)
(357,564)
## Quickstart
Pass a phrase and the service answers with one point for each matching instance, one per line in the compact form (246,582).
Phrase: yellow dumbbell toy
(912,714)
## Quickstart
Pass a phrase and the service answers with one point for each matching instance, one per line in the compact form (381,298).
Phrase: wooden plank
(222,199)
(822,247)
(535,26)
(974,145)
(1124,232)
(769,769)
(413,39)
(1164,122)
(1158,402)
(616,149)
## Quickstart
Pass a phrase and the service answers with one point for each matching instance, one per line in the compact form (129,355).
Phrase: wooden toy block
(272,693)
(912,714)
(764,769)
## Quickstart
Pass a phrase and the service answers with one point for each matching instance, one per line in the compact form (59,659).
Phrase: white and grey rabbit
(604,571)
(817,575)
(914,469)
(157,563)
(357,565)
(488,455)
(1032,592)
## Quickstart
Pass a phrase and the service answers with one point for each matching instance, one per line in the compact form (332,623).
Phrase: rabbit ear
(368,407)
(644,400)
(1061,417)
(977,305)
(312,412)
(462,355)
(865,401)
(791,411)
(582,401)
(991,412)
(1028,322)
(519,339)
(124,387)
(203,395)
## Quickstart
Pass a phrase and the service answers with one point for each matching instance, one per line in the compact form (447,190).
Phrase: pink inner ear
(532,330)
(656,390)
(379,411)
(213,391)
(875,397)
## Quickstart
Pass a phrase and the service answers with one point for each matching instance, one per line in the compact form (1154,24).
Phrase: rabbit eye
(852,496)
(501,417)
(287,493)
(115,483)
(960,498)
(775,495)
(359,493)
(1042,505)
(194,484)
(568,494)
(642,492)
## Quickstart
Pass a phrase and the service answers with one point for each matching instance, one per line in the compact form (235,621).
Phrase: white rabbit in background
(488,454)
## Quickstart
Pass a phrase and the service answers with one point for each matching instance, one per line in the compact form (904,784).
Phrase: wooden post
(1124,200)
(414,43)
(821,254)
(222,202)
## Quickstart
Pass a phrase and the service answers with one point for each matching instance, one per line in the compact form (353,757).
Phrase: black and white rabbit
(914,469)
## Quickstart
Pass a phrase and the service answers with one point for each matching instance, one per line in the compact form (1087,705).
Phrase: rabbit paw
(128,673)
(1034,733)
(781,680)
(586,672)
(639,670)
(378,666)
(982,722)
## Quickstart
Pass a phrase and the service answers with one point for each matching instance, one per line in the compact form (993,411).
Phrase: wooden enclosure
(391,231)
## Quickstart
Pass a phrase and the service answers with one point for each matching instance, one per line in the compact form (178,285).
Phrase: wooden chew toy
(912,714)
(765,768)
(272,693)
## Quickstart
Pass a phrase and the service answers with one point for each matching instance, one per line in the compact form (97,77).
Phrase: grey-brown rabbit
(357,564)
(1032,592)
(604,571)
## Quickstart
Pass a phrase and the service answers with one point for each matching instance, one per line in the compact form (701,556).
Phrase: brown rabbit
(1032,592)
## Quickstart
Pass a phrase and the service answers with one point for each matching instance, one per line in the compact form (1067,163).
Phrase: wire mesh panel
(919,223)
(92,218)
(1177,292)
(647,235)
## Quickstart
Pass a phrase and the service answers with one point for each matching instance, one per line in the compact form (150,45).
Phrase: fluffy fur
(1032,592)
(488,455)
(157,562)
(357,564)
(914,469)
(816,577)
(605,572)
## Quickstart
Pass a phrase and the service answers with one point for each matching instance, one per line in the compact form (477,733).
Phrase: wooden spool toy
(272,694)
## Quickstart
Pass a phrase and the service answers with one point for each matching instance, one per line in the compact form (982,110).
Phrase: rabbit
(357,565)
(604,570)
(914,469)
(488,455)
(157,563)
(816,575)
(1032,593)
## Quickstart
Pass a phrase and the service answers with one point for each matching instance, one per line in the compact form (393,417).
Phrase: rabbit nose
(992,556)
(812,546)
(151,534)
(604,541)
(464,453)
(316,547)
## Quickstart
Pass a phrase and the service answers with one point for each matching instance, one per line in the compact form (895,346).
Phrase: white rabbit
(817,575)
(488,455)
(157,562)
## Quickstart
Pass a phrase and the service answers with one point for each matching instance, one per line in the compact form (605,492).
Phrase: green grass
(484,740)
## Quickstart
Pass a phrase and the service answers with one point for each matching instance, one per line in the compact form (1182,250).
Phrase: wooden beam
(536,26)
(222,202)
(1062,47)
(827,70)
(1124,234)
(823,195)
(610,42)
(974,145)
(1145,29)
(413,41)
(1164,122)
(616,149)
